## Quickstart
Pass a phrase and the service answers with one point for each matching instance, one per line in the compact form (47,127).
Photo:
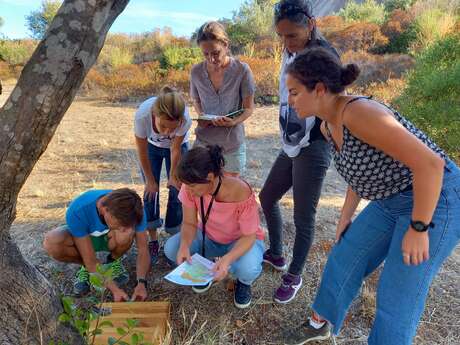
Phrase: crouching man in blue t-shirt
(103,220)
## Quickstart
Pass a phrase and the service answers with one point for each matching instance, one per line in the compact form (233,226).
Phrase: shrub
(432,96)
(386,91)
(180,57)
(378,68)
(127,82)
(115,56)
(432,25)
(368,11)
(358,36)
(392,5)
(330,24)
(401,32)
(266,74)
(16,52)
(180,79)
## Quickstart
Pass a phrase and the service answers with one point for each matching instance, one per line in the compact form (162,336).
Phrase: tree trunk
(48,83)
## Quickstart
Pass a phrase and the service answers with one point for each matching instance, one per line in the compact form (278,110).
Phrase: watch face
(419,226)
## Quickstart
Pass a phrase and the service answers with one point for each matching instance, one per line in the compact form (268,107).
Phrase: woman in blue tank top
(411,222)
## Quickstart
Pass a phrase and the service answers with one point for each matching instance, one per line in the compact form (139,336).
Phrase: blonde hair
(169,104)
(212,31)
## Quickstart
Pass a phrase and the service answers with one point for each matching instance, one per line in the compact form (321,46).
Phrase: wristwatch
(143,281)
(420,226)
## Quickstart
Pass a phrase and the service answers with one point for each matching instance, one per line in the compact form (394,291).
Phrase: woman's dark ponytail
(349,74)
(217,158)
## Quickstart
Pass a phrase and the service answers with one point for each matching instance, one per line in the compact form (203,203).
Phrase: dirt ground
(94,148)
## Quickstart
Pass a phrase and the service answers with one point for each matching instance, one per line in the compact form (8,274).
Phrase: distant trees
(38,21)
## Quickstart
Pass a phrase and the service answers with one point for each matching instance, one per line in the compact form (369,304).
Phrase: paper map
(199,272)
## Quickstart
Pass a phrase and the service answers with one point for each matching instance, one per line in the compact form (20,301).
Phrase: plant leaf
(121,331)
(106,323)
(132,323)
(63,318)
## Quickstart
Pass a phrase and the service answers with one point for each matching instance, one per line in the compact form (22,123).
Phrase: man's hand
(183,255)
(223,121)
(140,293)
(221,268)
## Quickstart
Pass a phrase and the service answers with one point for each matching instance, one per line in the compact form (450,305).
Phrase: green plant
(432,25)
(16,52)
(39,20)
(88,312)
(432,97)
(180,57)
(368,11)
(391,5)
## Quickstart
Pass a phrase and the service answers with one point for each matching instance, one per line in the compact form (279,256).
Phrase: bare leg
(59,244)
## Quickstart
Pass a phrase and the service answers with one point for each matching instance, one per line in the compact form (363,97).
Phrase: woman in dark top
(412,220)
(304,159)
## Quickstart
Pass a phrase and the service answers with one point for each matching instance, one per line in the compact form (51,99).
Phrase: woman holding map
(221,85)
(225,210)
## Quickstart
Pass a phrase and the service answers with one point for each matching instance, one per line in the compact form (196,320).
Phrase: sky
(183,16)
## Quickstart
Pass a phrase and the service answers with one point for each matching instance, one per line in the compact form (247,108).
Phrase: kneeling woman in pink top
(231,228)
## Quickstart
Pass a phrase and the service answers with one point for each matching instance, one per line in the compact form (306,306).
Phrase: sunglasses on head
(290,9)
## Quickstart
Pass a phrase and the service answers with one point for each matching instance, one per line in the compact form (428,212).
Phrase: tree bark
(47,86)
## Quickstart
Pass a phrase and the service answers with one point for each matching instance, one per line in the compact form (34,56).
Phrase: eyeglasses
(290,9)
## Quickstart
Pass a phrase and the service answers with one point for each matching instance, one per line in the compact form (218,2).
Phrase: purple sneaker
(288,289)
(154,249)
(277,263)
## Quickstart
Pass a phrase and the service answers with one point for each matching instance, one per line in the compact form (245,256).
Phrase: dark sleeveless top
(371,173)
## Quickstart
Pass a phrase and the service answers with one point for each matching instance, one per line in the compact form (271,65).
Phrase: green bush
(432,97)
(369,11)
(115,56)
(180,57)
(16,52)
(432,25)
(391,5)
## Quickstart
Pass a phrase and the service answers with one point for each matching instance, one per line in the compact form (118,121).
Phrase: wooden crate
(153,318)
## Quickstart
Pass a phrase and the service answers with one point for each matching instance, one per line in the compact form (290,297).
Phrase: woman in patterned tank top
(412,222)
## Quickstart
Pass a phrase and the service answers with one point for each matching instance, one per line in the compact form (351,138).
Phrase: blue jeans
(152,207)
(246,268)
(376,236)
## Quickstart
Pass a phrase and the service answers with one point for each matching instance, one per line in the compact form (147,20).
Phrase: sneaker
(81,284)
(288,289)
(307,333)
(154,249)
(119,274)
(277,263)
(202,288)
(242,297)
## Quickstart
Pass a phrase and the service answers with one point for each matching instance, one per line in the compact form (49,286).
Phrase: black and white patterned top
(371,173)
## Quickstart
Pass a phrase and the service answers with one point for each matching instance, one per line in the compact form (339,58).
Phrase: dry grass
(93,148)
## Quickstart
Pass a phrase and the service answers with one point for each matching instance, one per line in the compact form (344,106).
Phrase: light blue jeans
(376,236)
(246,269)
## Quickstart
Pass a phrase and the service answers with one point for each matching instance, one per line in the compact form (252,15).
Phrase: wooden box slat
(153,320)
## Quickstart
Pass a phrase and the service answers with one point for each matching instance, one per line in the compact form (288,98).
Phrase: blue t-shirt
(83,219)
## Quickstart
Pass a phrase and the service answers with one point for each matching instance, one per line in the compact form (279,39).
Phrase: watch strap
(420,226)
(143,281)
